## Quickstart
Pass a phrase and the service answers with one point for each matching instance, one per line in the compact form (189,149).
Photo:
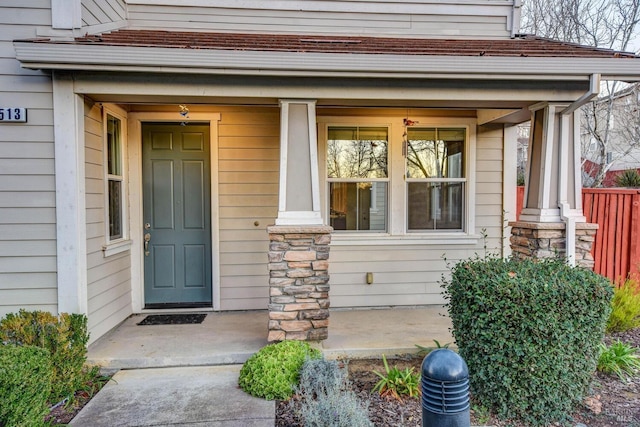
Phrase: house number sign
(13,114)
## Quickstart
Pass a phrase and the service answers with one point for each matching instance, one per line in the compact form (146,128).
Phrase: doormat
(172,319)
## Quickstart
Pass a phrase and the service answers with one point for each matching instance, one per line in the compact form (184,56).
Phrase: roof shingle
(522,46)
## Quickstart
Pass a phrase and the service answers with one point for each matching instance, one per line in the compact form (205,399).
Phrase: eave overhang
(65,56)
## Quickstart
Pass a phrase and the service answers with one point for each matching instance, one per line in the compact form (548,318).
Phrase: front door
(176,215)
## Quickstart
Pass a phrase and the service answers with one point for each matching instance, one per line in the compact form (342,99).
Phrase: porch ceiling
(524,58)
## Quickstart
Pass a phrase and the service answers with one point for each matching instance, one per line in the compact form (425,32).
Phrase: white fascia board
(209,61)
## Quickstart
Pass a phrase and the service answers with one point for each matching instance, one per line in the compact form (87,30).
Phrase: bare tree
(610,130)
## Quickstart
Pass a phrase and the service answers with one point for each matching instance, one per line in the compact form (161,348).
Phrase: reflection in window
(114,177)
(435,178)
(358,178)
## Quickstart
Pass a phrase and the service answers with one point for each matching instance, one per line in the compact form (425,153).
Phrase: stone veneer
(299,282)
(546,240)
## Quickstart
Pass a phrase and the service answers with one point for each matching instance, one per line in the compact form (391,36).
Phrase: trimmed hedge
(25,384)
(64,336)
(529,332)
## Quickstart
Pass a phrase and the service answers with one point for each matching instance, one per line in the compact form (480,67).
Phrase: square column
(299,282)
(552,221)
(299,197)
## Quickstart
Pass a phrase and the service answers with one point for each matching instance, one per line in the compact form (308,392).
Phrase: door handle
(147,238)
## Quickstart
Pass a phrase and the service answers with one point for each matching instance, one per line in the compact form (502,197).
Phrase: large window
(391,182)
(115,197)
(357,175)
(435,178)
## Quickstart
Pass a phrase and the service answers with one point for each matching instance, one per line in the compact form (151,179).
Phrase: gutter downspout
(568,215)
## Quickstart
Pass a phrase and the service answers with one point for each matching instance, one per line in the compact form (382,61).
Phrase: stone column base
(547,240)
(299,282)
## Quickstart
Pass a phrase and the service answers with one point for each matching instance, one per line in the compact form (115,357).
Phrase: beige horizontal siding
(27,183)
(248,162)
(489,198)
(397,18)
(108,278)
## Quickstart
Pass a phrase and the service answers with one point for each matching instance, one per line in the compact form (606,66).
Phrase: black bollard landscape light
(445,390)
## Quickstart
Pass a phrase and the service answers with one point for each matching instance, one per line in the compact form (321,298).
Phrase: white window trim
(116,246)
(397,233)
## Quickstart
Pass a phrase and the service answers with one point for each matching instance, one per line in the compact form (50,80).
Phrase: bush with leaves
(272,372)
(529,332)
(64,336)
(625,307)
(326,400)
(25,384)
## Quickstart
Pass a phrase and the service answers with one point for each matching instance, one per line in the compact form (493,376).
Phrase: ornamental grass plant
(529,332)
(625,307)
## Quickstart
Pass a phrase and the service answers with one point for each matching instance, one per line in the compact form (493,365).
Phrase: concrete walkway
(187,375)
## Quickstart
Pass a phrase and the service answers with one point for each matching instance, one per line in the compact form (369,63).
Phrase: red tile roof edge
(521,46)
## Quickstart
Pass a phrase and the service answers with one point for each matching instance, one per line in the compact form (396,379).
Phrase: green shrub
(64,336)
(273,371)
(625,308)
(326,400)
(529,332)
(25,383)
(396,382)
(619,358)
(628,178)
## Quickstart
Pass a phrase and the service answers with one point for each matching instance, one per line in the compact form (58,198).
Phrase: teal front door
(176,215)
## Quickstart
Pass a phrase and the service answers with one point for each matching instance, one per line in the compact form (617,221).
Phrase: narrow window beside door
(115,181)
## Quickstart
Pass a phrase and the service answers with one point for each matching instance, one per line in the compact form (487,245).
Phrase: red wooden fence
(616,250)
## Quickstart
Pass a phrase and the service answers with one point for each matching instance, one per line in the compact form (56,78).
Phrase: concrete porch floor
(225,338)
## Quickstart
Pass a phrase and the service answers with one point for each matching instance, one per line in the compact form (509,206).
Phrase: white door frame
(134,152)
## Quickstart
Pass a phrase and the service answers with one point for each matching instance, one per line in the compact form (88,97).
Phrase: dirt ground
(610,402)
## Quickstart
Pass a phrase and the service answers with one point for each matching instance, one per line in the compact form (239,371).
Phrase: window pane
(435,153)
(435,205)
(358,205)
(354,152)
(114,166)
(115,210)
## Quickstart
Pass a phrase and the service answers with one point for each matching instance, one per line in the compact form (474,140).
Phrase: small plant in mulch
(397,383)
(326,399)
(273,372)
(619,358)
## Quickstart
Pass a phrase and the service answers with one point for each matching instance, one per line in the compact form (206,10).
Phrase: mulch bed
(610,402)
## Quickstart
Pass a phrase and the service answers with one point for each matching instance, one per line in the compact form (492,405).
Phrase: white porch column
(553,170)
(71,225)
(552,222)
(299,199)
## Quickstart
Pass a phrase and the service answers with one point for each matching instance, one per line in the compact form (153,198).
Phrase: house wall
(248,152)
(95,12)
(407,274)
(446,18)
(248,172)
(27,183)
(410,274)
(108,278)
